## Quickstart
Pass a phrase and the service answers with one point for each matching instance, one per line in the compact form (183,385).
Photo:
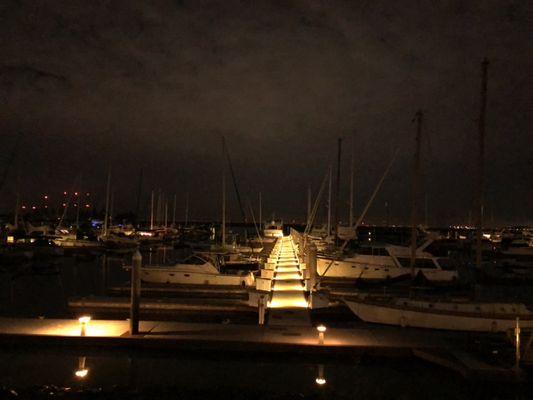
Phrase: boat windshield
(194,260)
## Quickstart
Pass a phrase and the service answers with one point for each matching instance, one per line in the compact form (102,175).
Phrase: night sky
(131,84)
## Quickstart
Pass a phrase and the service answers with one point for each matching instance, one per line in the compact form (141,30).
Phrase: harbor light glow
(321,328)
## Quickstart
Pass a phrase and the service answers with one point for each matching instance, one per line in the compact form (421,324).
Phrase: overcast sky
(136,84)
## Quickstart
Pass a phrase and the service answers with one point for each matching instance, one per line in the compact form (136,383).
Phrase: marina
(266,200)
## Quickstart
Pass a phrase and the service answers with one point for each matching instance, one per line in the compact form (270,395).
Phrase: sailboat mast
(260,209)
(79,205)
(308,203)
(416,179)
(481,163)
(329,199)
(108,189)
(152,212)
(337,188)
(223,195)
(350,217)
(186,208)
(174,212)
(139,194)
(111,207)
(166,212)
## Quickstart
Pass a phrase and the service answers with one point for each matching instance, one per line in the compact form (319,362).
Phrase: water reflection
(82,370)
(320,379)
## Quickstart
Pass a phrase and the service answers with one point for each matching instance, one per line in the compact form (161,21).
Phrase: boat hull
(162,275)
(394,315)
(385,270)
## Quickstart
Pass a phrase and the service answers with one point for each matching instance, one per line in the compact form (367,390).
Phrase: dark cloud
(155,85)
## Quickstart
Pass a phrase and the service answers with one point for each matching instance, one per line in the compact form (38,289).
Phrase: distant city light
(46,197)
(65,193)
(75,193)
(23,207)
(87,205)
(33,208)
(64,204)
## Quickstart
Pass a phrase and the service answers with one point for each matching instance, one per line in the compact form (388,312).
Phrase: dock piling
(135,292)
(311,265)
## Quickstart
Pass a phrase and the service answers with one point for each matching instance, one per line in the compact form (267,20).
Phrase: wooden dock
(447,350)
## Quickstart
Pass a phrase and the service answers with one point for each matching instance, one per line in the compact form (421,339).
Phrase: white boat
(195,270)
(69,240)
(456,316)
(273,229)
(388,262)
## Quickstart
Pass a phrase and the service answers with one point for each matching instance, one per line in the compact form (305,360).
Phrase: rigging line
(255,224)
(235,186)
(362,216)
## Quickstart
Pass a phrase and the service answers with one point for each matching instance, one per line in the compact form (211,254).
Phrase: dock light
(320,380)
(82,371)
(321,330)
(84,321)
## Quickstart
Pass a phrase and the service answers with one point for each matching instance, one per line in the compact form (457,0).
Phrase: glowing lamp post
(84,321)
(321,330)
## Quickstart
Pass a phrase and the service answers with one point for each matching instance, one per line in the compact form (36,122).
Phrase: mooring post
(311,268)
(311,264)
(135,292)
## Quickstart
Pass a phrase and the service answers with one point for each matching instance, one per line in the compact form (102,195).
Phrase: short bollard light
(82,371)
(84,321)
(321,330)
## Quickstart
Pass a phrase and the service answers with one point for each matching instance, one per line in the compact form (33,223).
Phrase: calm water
(185,377)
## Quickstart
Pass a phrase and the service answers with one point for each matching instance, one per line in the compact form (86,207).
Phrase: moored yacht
(196,270)
(386,263)
(273,229)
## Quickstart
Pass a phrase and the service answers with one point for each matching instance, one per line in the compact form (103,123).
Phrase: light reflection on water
(247,378)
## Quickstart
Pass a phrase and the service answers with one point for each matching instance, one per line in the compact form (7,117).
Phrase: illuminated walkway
(288,286)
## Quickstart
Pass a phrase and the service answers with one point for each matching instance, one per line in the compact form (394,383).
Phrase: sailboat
(457,316)
(114,239)
(449,315)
